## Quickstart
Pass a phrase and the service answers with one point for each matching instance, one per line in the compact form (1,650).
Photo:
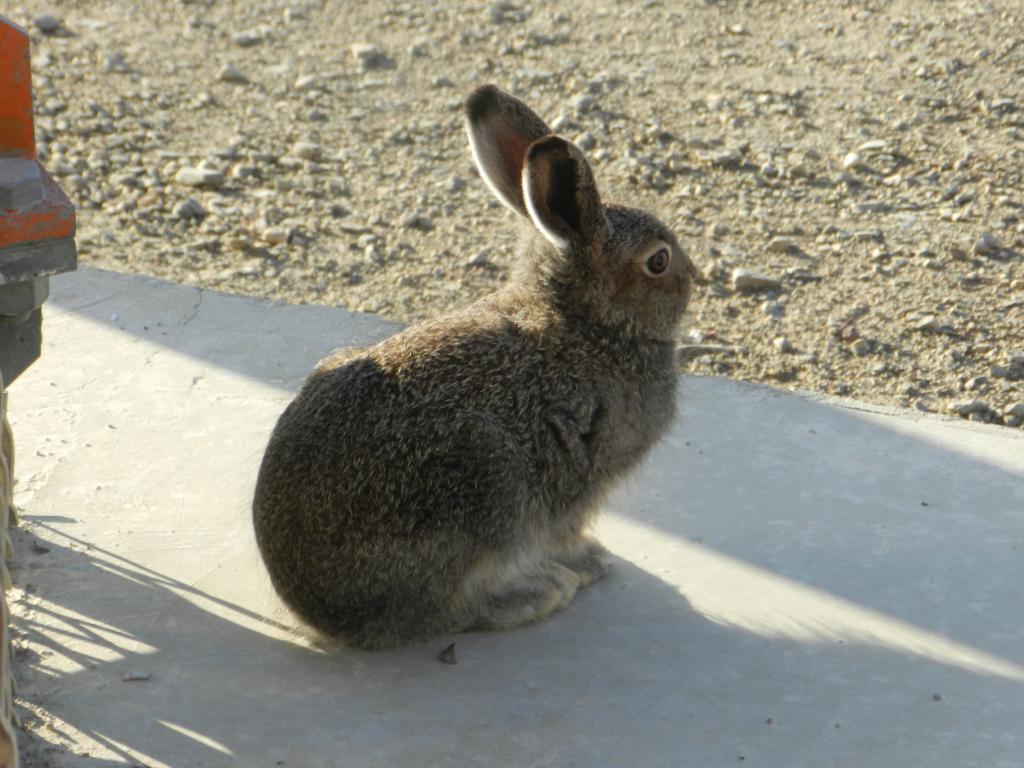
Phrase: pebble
(115,62)
(248,38)
(861,347)
(136,676)
(873,145)
(583,102)
(716,231)
(988,244)
(503,12)
(189,209)
(306,83)
(275,235)
(47,23)
(447,656)
(1000,372)
(967,407)
(782,245)
(1016,410)
(307,150)
(730,158)
(229,73)
(586,141)
(747,280)
(416,220)
(782,344)
(851,160)
(926,323)
(478,259)
(370,57)
(199,177)
(872,206)
(690,351)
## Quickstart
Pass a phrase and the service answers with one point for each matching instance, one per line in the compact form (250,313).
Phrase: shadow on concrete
(800,583)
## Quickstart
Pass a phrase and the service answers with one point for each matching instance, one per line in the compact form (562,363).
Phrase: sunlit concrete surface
(799,581)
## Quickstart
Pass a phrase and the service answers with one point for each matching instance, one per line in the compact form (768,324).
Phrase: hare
(444,479)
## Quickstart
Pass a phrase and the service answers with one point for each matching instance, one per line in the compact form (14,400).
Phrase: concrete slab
(799,582)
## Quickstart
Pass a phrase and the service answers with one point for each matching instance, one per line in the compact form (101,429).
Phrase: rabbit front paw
(588,559)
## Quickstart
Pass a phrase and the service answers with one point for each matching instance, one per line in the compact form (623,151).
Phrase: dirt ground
(864,157)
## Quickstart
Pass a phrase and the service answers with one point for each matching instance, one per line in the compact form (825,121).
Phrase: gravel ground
(862,160)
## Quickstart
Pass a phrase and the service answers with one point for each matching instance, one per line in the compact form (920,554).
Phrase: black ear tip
(481,101)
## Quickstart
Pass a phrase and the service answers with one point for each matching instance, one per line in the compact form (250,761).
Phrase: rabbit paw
(532,598)
(588,558)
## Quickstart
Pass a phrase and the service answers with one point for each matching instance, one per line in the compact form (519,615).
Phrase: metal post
(37,227)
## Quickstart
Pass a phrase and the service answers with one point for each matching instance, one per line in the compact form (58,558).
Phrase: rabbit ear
(561,194)
(501,129)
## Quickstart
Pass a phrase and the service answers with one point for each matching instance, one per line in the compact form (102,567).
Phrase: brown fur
(443,479)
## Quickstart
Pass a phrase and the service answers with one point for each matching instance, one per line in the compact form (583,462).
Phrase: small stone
(306,83)
(873,145)
(478,259)
(747,280)
(716,231)
(115,62)
(730,158)
(371,57)
(783,344)
(275,235)
(229,73)
(1016,410)
(861,347)
(584,102)
(967,407)
(47,23)
(872,206)
(586,141)
(988,244)
(454,184)
(307,150)
(447,656)
(136,676)
(248,38)
(190,209)
(199,177)
(415,220)
(690,351)
(773,309)
(782,245)
(851,160)
(503,12)
(926,323)
(1000,372)
(1013,421)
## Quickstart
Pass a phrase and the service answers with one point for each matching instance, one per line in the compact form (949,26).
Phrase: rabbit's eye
(657,262)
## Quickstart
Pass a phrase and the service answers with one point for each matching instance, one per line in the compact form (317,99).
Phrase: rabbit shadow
(237,686)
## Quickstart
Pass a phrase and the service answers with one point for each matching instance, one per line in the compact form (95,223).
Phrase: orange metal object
(51,216)
(17,135)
